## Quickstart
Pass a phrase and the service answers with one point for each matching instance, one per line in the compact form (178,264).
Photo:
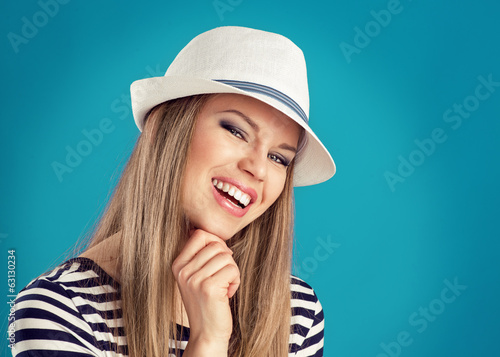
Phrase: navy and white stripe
(269,91)
(307,336)
(69,312)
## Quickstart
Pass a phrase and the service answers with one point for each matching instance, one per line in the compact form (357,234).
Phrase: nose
(255,164)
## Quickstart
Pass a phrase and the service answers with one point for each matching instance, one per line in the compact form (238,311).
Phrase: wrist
(200,346)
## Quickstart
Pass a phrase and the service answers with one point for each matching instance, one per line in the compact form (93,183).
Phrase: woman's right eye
(233,130)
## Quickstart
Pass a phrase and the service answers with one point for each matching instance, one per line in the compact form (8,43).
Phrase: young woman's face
(237,163)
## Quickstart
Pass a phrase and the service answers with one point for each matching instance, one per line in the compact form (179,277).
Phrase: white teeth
(243,198)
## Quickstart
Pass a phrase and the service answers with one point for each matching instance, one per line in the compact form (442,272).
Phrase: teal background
(374,255)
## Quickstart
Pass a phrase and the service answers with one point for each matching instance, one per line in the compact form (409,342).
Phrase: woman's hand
(207,277)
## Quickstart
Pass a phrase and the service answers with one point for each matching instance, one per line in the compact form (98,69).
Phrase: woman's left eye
(279,159)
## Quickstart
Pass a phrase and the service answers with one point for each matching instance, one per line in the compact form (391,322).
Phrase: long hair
(146,208)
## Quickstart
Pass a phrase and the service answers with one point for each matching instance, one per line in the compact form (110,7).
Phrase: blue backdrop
(401,246)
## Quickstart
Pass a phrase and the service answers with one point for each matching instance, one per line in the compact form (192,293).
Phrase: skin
(254,154)
(248,156)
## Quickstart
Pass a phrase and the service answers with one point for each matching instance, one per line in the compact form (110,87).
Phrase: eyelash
(283,162)
(234,130)
(240,135)
(236,133)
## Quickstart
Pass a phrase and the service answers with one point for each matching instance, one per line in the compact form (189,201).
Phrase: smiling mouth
(232,194)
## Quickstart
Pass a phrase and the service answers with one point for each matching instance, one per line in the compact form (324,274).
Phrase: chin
(220,231)
(224,233)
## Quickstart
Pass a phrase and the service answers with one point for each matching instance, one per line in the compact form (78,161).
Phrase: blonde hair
(146,208)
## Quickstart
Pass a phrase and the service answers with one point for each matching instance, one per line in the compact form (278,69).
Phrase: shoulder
(75,278)
(50,312)
(58,286)
(307,320)
(304,297)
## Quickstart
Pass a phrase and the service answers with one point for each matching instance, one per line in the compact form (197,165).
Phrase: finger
(231,275)
(198,240)
(201,259)
(215,278)
(231,290)
(213,266)
(216,286)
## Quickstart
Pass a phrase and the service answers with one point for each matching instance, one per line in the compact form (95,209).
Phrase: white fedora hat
(258,64)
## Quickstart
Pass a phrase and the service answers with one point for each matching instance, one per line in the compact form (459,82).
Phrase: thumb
(231,290)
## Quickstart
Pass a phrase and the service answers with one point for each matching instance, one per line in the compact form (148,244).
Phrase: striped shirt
(69,312)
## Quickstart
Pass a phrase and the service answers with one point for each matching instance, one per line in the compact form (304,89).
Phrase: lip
(225,204)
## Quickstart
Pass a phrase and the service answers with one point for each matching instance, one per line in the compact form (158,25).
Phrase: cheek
(208,153)
(274,188)
(197,162)
(209,148)
(199,150)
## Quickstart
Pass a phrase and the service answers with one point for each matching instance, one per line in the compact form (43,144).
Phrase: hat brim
(314,163)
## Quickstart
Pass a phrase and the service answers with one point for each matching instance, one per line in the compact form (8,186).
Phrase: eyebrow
(288,147)
(254,125)
(247,119)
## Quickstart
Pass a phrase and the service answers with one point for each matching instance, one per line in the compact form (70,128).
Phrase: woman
(192,254)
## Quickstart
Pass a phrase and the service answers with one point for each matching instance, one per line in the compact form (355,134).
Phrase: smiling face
(237,163)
